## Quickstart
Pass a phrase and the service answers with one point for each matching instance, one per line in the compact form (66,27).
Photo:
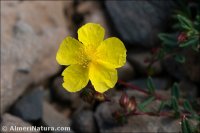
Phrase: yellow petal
(112,52)
(102,77)
(91,34)
(75,78)
(69,51)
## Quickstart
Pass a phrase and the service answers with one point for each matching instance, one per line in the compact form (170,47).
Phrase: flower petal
(75,78)
(102,77)
(91,34)
(112,52)
(68,52)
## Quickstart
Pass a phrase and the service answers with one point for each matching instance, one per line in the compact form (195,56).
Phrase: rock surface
(139,22)
(127,72)
(92,12)
(29,107)
(84,122)
(9,122)
(159,83)
(138,60)
(31,33)
(52,118)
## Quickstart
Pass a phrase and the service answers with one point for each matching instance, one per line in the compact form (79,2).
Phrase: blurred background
(31,82)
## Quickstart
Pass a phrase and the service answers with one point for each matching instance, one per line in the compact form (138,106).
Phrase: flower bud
(124,100)
(182,37)
(99,96)
(131,107)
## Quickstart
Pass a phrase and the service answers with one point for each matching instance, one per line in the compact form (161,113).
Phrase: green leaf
(185,22)
(175,91)
(142,105)
(150,85)
(189,42)
(187,106)
(161,54)
(179,58)
(162,105)
(185,126)
(168,39)
(175,106)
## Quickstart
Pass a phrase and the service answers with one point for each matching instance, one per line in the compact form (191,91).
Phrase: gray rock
(174,68)
(84,122)
(52,118)
(137,59)
(29,107)
(9,122)
(139,22)
(160,83)
(190,70)
(32,32)
(92,12)
(126,72)
(192,65)
(188,90)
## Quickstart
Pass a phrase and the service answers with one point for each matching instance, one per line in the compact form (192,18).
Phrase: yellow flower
(91,58)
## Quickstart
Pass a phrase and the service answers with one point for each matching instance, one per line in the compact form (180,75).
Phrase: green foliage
(169,40)
(187,106)
(150,85)
(142,105)
(185,23)
(186,35)
(175,107)
(175,91)
(186,126)
(179,58)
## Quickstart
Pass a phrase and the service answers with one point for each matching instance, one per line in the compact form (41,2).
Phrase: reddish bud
(154,50)
(182,37)
(131,107)
(124,100)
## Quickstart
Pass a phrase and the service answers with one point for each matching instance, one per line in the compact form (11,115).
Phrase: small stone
(52,118)
(29,107)
(84,122)
(9,122)
(137,59)
(126,72)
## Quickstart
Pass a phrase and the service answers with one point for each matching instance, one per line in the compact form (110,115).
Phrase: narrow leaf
(187,106)
(175,91)
(185,22)
(179,58)
(189,42)
(185,126)
(168,39)
(175,106)
(142,105)
(150,85)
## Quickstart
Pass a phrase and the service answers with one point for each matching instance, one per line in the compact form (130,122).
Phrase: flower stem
(157,96)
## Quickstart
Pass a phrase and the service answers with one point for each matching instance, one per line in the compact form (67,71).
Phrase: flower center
(86,56)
